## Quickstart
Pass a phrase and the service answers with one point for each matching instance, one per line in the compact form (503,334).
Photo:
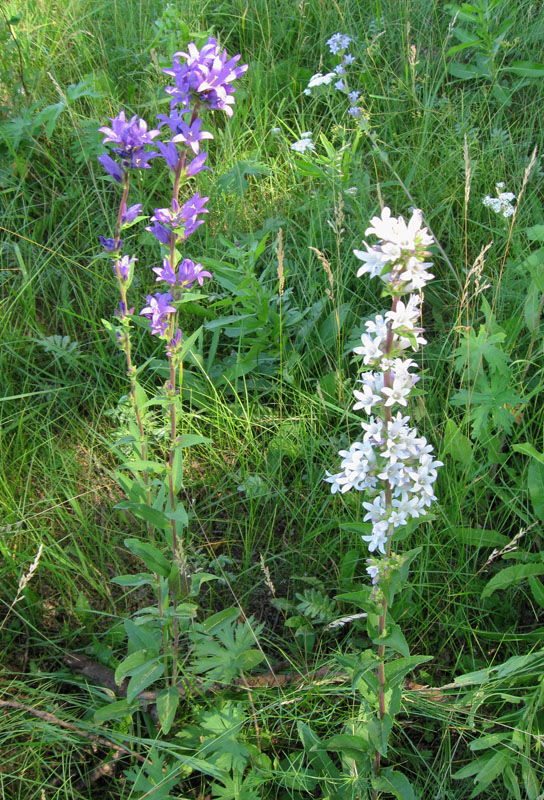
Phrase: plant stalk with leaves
(393,465)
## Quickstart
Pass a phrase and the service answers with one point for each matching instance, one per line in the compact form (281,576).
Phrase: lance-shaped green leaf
(143,677)
(152,558)
(167,704)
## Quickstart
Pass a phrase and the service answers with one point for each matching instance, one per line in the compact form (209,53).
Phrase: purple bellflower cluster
(204,76)
(392,464)
(203,79)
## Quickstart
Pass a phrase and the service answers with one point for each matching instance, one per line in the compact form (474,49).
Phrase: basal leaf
(510,576)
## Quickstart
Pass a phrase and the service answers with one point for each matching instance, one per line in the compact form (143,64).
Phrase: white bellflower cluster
(393,464)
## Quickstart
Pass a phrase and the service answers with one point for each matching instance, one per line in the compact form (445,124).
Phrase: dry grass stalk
(327,267)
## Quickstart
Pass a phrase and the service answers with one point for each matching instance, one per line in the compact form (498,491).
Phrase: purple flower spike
(123,265)
(112,167)
(109,244)
(130,213)
(205,76)
(157,310)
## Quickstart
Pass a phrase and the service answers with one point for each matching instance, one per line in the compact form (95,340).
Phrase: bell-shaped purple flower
(189,272)
(165,273)
(197,165)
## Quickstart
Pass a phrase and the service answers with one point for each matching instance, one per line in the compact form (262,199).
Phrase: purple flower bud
(123,265)
(130,213)
(122,312)
(170,154)
(174,345)
(109,244)
(197,165)
(112,167)
(162,234)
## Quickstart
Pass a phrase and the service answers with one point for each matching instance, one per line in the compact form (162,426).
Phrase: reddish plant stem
(381,622)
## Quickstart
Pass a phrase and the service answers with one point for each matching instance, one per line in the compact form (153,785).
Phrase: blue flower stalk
(130,138)
(202,79)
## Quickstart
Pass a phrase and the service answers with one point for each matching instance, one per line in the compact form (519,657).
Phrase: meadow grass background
(275,400)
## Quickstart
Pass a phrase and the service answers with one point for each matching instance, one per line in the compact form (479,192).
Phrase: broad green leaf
(465,71)
(117,711)
(528,450)
(178,515)
(143,466)
(396,670)
(535,233)
(456,444)
(152,558)
(133,662)
(526,69)
(379,731)
(177,469)
(216,620)
(344,743)
(537,590)
(198,578)
(490,770)
(490,741)
(143,637)
(396,783)
(511,575)
(511,782)
(535,484)
(190,439)
(480,537)
(530,780)
(139,579)
(251,659)
(167,704)
(394,638)
(140,394)
(143,511)
(316,751)
(143,677)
